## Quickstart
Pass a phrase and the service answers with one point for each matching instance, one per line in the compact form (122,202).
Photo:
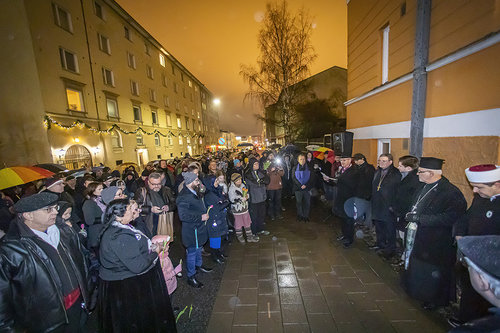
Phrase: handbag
(166,224)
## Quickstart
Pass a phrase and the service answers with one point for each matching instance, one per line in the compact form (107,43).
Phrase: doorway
(77,156)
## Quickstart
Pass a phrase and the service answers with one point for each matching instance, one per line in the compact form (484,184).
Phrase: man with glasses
(155,199)
(43,275)
(429,253)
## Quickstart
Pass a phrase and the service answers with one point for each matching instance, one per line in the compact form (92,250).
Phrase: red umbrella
(14,176)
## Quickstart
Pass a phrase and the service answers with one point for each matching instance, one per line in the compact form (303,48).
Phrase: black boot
(216,258)
(193,282)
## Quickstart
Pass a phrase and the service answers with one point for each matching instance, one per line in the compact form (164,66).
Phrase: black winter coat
(217,223)
(430,270)
(404,198)
(30,288)
(191,208)
(482,218)
(310,183)
(366,173)
(384,198)
(347,184)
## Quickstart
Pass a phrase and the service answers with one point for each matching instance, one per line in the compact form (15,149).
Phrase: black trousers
(386,234)
(347,225)
(258,215)
(303,199)
(274,200)
(472,305)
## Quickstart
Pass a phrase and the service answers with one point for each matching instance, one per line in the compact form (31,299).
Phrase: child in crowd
(238,195)
(169,272)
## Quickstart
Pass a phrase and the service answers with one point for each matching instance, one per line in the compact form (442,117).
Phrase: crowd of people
(73,245)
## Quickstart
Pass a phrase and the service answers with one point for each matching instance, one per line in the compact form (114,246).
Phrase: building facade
(84,83)
(461,100)
(329,85)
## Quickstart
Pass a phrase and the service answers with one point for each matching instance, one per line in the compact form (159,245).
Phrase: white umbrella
(312,147)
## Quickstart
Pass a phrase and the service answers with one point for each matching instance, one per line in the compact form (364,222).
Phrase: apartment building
(84,83)
(457,86)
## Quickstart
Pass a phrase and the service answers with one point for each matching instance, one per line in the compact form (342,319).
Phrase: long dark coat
(190,209)
(384,199)
(429,277)
(366,173)
(482,218)
(347,185)
(217,222)
(404,198)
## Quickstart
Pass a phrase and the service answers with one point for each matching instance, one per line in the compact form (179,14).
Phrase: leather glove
(412,217)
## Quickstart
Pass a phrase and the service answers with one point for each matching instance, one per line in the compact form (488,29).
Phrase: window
(179,122)
(62,18)
(163,80)
(384,146)
(173,70)
(116,139)
(137,113)
(139,139)
(185,109)
(149,71)
(169,120)
(180,140)
(192,112)
(199,126)
(183,92)
(134,88)
(75,99)
(198,112)
(154,117)
(112,107)
(108,77)
(177,105)
(104,44)
(203,106)
(147,48)
(170,141)
(191,96)
(126,32)
(152,95)
(190,84)
(194,124)
(99,11)
(162,60)
(131,60)
(182,77)
(166,101)
(188,140)
(196,88)
(68,60)
(176,87)
(187,123)
(157,140)
(385,55)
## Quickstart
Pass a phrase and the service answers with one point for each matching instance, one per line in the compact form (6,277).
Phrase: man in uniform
(482,218)
(429,253)
(43,274)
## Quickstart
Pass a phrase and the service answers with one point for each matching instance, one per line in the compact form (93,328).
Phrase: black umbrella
(275,146)
(245,144)
(53,167)
(290,149)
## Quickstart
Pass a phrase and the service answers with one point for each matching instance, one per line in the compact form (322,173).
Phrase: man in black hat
(384,189)
(482,218)
(429,252)
(43,275)
(482,256)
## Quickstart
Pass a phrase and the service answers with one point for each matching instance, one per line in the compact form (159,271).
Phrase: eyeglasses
(156,185)
(50,208)
(422,171)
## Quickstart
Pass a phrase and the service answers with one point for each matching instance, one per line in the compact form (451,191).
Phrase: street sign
(222,141)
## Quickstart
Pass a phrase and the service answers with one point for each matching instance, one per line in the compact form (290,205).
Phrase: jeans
(303,199)
(386,234)
(193,260)
(274,197)
(258,215)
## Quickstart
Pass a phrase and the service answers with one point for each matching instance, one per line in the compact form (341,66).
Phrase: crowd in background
(114,229)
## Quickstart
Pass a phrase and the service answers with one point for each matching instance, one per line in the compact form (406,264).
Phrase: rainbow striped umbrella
(14,176)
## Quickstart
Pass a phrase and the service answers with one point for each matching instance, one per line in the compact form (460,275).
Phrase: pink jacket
(168,272)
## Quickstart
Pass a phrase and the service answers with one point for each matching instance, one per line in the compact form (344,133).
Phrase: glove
(412,217)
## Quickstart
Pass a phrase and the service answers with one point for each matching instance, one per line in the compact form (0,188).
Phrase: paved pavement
(301,280)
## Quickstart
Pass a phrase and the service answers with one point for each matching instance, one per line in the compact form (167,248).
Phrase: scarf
(99,203)
(302,175)
(156,198)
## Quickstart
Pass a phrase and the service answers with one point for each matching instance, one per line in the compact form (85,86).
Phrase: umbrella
(78,172)
(14,176)
(312,147)
(322,149)
(245,144)
(275,146)
(55,168)
(289,148)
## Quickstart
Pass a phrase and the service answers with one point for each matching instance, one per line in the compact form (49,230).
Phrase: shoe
(253,239)
(283,209)
(272,218)
(204,269)
(347,244)
(374,247)
(306,219)
(241,239)
(179,274)
(222,255)
(217,259)
(194,283)
(455,322)
(263,232)
(280,217)
(205,253)
(340,238)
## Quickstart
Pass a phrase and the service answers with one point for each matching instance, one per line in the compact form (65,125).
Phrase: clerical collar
(495,197)
(51,235)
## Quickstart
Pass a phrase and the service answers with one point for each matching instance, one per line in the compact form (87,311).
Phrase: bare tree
(286,53)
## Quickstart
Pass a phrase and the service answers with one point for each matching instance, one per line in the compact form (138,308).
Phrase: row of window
(116,140)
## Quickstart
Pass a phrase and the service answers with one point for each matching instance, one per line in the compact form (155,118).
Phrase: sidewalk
(303,281)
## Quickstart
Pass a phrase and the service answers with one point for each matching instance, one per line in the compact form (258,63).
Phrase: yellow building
(90,66)
(461,102)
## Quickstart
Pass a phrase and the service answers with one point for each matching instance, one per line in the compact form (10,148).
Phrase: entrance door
(77,156)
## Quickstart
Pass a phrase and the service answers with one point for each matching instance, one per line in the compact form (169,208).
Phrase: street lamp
(216,101)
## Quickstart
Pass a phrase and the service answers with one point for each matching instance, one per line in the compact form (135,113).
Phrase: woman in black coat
(133,293)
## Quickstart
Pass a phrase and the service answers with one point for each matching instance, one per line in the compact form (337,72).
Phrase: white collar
(51,236)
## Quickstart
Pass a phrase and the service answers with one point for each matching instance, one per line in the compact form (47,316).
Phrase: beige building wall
(102,38)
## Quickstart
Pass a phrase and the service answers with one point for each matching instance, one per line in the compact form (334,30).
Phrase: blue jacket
(217,223)
(191,208)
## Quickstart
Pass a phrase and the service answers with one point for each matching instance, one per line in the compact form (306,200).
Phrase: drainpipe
(420,77)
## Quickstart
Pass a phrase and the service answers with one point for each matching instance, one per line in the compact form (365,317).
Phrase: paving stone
(296,328)
(244,329)
(247,281)
(351,285)
(343,313)
(343,271)
(368,277)
(321,323)
(267,287)
(287,280)
(267,303)
(335,295)
(300,262)
(269,322)
(408,327)
(375,321)
(231,274)
(228,287)
(266,263)
(305,273)
(250,269)
(336,260)
(284,267)
(267,273)
(283,257)
(293,313)
(220,323)
(396,310)
(309,287)
(315,304)
(290,296)
(361,302)
(245,315)
(322,267)
(247,296)
(327,279)
(225,303)
(352,327)
(380,292)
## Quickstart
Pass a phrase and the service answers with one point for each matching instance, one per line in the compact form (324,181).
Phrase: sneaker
(347,244)
(253,239)
(455,322)
(280,217)
(263,232)
(374,247)
(340,238)
(283,209)
(241,239)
